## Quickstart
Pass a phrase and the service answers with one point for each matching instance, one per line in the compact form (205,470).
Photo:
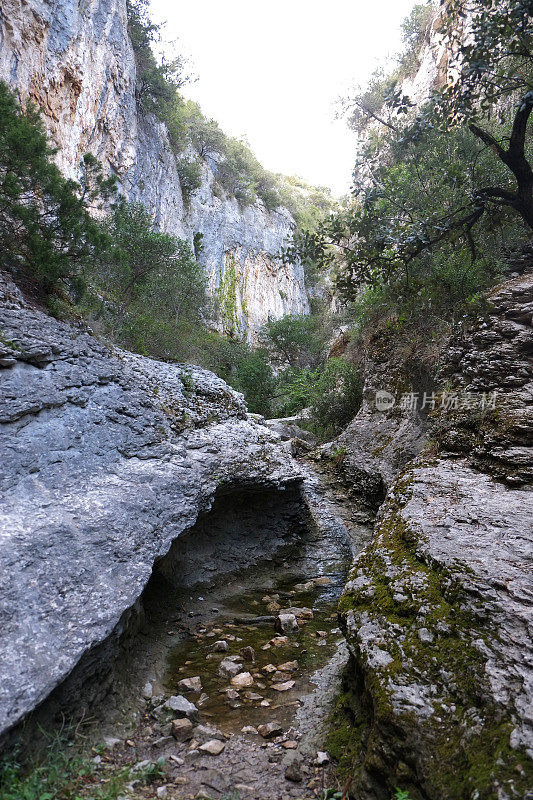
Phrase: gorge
(201,602)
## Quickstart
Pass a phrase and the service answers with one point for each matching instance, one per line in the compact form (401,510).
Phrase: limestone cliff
(75,61)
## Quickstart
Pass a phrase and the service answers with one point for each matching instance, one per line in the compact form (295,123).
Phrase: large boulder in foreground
(105,458)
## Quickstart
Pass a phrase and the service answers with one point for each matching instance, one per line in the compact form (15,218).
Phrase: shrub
(45,228)
(336,397)
(190,175)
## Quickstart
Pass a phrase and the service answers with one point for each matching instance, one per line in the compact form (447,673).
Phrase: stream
(263,694)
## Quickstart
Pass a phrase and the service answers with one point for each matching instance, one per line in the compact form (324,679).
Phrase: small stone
(249,729)
(248,654)
(273,607)
(321,634)
(202,700)
(207,732)
(288,666)
(214,747)
(321,759)
(270,730)
(253,696)
(242,679)
(266,647)
(147,691)
(286,623)
(191,684)
(279,641)
(269,668)
(110,742)
(425,635)
(220,647)
(324,580)
(290,744)
(264,704)
(182,707)
(177,760)
(162,792)
(283,687)
(232,694)
(293,773)
(228,668)
(182,730)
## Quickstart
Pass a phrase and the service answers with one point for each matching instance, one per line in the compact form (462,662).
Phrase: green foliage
(190,175)
(61,774)
(45,228)
(336,397)
(401,795)
(153,289)
(156,84)
(226,297)
(297,340)
(246,369)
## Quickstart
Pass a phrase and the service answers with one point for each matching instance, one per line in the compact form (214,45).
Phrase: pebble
(248,654)
(249,729)
(182,707)
(242,679)
(283,687)
(110,742)
(279,641)
(321,759)
(147,691)
(290,744)
(228,668)
(162,792)
(288,666)
(220,647)
(182,730)
(270,730)
(214,747)
(286,623)
(191,684)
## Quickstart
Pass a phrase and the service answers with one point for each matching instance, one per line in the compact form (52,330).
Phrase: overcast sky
(272,72)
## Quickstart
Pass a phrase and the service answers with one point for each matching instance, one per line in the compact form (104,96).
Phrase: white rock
(242,679)
(214,747)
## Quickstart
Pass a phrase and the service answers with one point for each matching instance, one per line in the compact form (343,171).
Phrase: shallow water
(311,647)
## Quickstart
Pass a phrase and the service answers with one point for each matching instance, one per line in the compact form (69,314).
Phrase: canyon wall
(75,61)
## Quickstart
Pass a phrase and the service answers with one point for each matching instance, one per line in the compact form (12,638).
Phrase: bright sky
(272,72)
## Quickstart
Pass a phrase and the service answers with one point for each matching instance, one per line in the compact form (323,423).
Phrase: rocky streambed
(230,686)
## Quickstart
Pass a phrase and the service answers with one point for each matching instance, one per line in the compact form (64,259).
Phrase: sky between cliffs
(271,72)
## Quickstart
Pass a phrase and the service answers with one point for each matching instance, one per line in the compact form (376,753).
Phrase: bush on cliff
(46,231)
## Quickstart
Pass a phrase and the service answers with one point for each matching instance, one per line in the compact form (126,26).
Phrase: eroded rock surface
(437,610)
(106,457)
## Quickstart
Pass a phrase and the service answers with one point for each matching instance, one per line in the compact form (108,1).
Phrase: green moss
(226,296)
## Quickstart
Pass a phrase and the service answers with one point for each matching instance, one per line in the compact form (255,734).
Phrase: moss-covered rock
(435,613)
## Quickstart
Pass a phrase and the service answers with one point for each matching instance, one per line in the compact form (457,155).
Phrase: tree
(45,227)
(427,183)
(295,340)
(152,268)
(156,84)
(490,69)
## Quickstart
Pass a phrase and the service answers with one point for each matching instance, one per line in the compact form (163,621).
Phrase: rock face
(437,609)
(105,459)
(75,61)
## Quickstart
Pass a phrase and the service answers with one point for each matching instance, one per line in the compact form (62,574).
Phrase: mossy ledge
(416,711)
